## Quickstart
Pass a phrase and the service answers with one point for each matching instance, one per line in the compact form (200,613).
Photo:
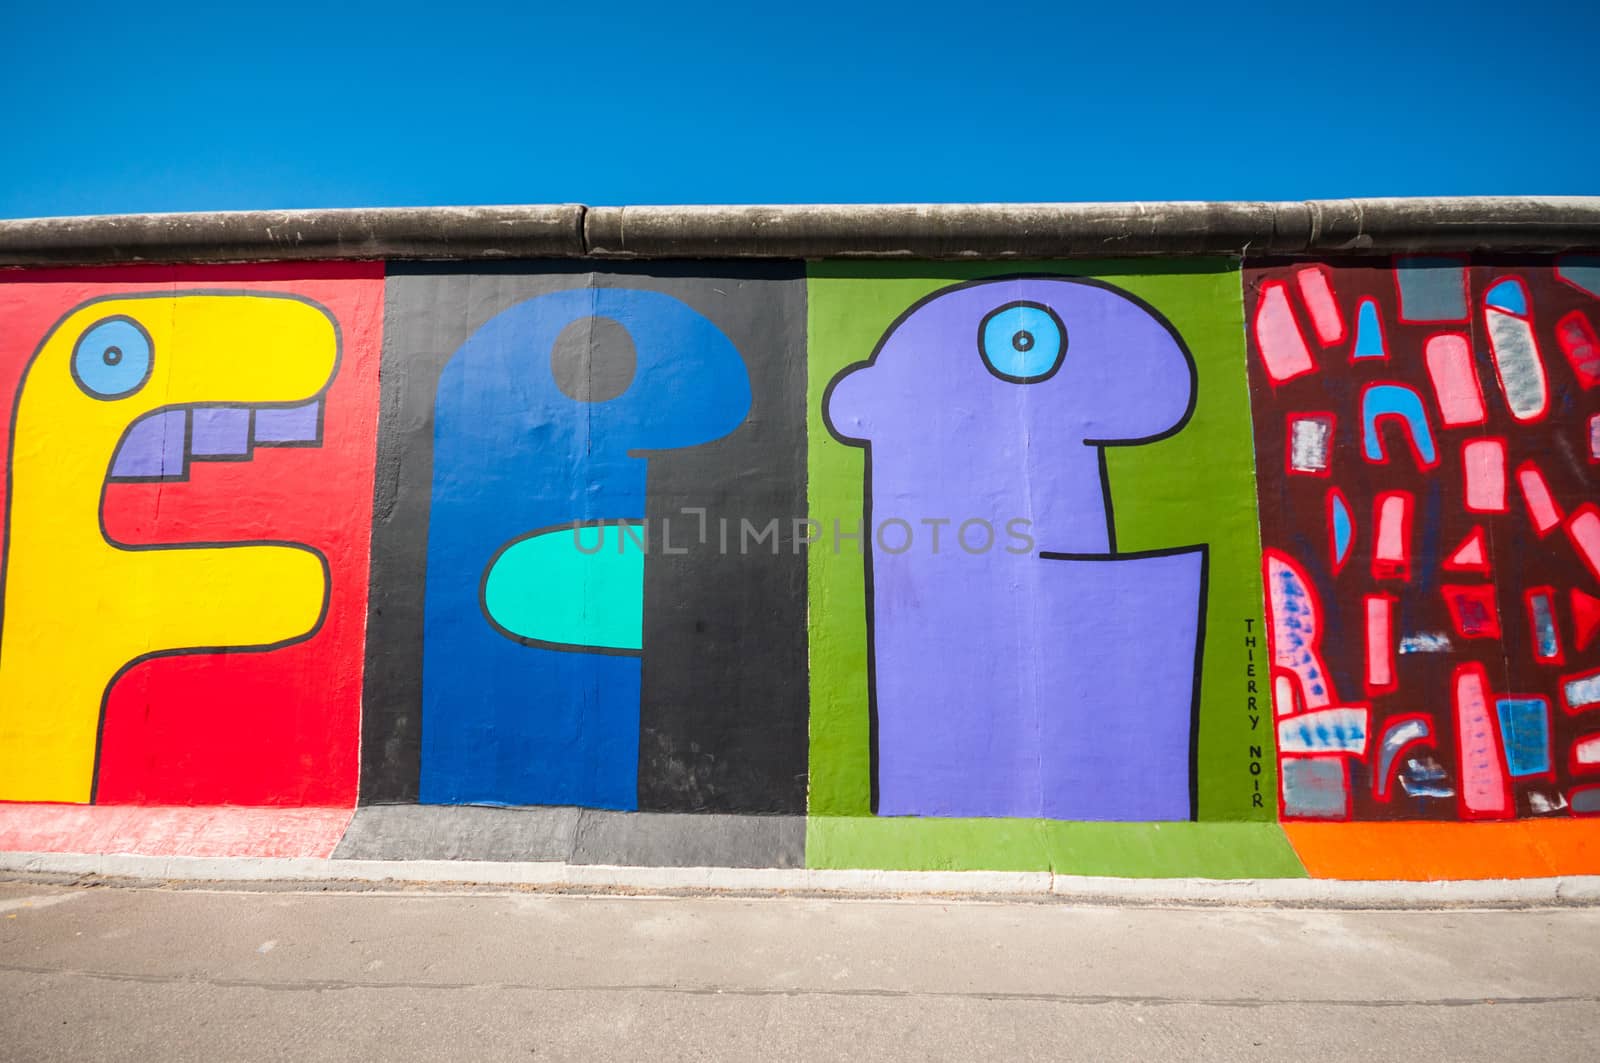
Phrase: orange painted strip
(170,831)
(1426,852)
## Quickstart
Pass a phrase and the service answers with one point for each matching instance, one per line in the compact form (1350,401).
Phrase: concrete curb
(1040,885)
(896,231)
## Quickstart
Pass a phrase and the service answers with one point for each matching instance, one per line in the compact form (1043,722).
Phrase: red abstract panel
(1459,590)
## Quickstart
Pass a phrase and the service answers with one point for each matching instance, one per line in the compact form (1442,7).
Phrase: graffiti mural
(1186,566)
(1425,441)
(586,635)
(186,545)
(1045,658)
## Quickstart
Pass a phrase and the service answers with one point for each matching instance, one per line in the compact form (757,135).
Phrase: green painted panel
(904,843)
(1116,850)
(1197,486)
(1172,850)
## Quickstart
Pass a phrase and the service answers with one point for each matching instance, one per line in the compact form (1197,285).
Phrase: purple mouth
(160,445)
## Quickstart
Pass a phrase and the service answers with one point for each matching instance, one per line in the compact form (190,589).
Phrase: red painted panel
(273,728)
(168,831)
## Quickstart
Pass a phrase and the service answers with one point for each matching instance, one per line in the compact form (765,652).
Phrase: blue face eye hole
(1022,342)
(112,358)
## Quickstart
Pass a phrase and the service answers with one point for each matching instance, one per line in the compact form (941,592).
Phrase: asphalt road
(109,973)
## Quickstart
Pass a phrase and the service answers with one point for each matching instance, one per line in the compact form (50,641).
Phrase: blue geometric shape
(1547,642)
(1398,400)
(1509,296)
(1525,732)
(1343,530)
(1324,731)
(514,724)
(1369,332)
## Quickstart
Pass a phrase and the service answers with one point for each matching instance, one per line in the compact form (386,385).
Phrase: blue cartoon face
(1022,342)
(112,358)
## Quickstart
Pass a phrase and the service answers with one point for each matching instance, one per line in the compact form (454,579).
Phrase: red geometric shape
(1580,692)
(1542,509)
(1294,631)
(1585,756)
(1585,618)
(1391,550)
(1483,462)
(1583,528)
(1380,678)
(1278,337)
(1485,788)
(1472,555)
(1455,381)
(1581,346)
(1472,610)
(1317,291)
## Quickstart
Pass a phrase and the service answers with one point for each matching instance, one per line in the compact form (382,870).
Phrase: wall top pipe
(928,231)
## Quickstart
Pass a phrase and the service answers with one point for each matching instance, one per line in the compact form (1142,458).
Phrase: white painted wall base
(1039,885)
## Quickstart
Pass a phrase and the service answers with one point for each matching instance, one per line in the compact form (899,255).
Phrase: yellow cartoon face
(113,361)
(133,388)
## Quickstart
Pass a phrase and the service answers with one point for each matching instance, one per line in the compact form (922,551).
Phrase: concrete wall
(1189,564)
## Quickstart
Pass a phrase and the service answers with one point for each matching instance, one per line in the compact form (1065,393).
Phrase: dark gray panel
(663,840)
(459,832)
(724,688)
(572,835)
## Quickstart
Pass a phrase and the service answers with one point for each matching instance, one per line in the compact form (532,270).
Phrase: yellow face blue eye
(1022,342)
(112,358)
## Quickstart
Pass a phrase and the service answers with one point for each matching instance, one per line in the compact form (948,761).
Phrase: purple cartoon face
(991,400)
(1061,361)
(1056,681)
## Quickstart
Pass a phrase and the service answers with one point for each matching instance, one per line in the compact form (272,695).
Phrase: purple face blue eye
(1022,342)
(112,358)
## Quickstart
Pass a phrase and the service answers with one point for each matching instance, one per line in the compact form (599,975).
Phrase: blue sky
(128,107)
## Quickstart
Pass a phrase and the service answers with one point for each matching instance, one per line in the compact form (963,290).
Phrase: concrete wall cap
(896,231)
